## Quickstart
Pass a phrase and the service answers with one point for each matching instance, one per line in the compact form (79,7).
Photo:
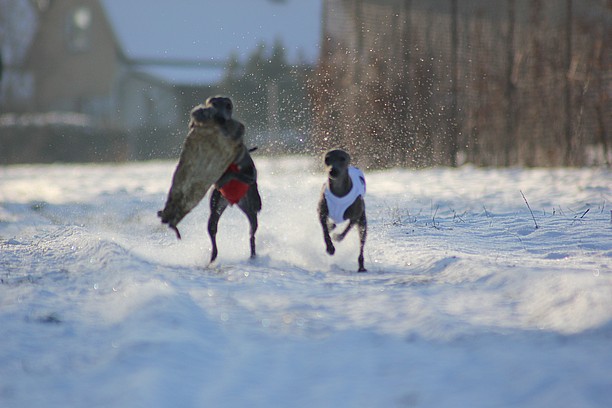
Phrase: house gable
(73,58)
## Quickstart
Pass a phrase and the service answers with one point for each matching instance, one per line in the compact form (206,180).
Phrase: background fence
(443,82)
(71,137)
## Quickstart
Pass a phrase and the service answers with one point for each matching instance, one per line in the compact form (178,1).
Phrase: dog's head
(222,105)
(337,162)
(200,114)
(218,108)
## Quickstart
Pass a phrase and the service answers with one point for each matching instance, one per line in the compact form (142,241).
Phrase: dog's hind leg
(251,212)
(253,229)
(252,216)
(363,232)
(340,237)
(218,204)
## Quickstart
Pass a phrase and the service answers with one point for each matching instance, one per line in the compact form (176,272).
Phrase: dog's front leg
(217,205)
(363,232)
(323,215)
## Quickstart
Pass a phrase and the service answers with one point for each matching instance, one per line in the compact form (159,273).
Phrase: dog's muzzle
(334,172)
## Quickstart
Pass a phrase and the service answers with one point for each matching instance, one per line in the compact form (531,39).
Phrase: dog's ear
(344,158)
(326,160)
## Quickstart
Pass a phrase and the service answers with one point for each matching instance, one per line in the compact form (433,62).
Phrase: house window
(78,29)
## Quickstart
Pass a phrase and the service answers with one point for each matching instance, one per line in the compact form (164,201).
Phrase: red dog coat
(234,189)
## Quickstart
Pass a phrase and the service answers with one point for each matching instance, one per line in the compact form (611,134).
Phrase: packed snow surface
(465,303)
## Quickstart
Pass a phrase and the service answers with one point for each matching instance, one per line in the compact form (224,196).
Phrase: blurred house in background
(135,67)
(79,64)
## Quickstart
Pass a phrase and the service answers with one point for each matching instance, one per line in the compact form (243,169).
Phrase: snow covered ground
(466,303)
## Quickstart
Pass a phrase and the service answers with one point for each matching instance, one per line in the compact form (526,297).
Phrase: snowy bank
(465,303)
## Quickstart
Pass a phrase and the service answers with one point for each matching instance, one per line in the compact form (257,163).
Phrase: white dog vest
(338,205)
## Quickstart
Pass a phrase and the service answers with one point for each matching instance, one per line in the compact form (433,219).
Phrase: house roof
(205,30)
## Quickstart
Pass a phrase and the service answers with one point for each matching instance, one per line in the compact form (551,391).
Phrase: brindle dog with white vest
(342,199)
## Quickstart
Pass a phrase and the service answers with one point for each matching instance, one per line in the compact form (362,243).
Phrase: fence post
(570,158)
(454,136)
(510,94)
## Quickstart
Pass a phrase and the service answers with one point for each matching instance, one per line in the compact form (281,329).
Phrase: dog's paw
(331,249)
(338,237)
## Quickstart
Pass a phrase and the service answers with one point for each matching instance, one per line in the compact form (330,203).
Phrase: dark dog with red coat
(238,185)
